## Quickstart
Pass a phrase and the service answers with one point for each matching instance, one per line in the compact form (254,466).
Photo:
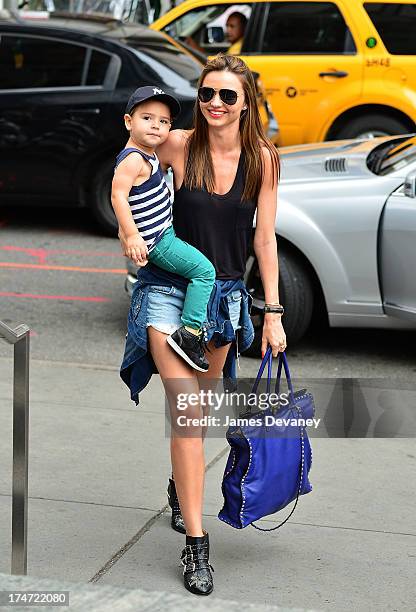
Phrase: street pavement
(97,504)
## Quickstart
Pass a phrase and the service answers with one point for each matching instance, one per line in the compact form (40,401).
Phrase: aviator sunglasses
(228,96)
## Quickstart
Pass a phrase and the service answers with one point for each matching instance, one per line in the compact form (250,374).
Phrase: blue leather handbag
(268,464)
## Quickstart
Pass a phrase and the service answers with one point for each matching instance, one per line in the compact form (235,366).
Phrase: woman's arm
(172,149)
(265,249)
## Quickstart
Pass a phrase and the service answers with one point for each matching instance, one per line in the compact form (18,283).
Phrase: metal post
(19,337)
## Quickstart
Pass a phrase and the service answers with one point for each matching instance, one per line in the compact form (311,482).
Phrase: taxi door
(311,63)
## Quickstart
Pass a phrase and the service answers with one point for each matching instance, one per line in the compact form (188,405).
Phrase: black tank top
(220,226)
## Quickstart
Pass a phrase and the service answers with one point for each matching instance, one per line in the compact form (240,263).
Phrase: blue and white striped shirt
(150,202)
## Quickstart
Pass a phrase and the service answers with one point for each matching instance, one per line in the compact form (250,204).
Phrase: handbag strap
(283,361)
(268,358)
(302,445)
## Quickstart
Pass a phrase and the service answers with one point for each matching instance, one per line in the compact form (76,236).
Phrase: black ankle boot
(197,576)
(176,520)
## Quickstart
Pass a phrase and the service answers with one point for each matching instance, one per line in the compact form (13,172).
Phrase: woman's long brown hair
(199,171)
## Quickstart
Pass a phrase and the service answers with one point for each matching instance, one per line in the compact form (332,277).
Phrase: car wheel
(100,195)
(371,126)
(295,293)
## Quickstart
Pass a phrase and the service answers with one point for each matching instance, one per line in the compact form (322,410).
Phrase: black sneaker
(190,347)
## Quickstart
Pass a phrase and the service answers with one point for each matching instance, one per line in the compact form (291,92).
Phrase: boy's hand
(136,249)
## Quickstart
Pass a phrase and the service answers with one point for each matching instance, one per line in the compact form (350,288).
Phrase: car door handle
(16,115)
(339,74)
(83,111)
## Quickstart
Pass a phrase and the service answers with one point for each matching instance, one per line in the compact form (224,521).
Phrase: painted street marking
(75,298)
(7,264)
(42,253)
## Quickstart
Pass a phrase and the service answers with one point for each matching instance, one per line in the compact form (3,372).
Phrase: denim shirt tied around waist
(138,365)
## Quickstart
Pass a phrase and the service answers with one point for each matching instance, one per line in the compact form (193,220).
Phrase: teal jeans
(174,255)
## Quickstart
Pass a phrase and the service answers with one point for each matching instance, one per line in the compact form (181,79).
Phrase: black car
(64,84)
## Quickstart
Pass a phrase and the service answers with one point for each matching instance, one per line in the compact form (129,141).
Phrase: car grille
(338,164)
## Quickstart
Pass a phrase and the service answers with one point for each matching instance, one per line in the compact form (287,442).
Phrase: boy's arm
(124,248)
(124,177)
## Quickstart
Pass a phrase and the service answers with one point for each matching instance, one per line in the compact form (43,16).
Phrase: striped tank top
(150,202)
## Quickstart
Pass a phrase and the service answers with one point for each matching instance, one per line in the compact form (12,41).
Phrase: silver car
(346,234)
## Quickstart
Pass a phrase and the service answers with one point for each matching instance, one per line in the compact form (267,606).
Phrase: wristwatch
(274,308)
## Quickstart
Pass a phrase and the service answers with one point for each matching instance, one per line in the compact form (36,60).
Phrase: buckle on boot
(188,567)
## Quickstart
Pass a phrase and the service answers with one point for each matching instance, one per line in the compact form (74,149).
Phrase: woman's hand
(273,334)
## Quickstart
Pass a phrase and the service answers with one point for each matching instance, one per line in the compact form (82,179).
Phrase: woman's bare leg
(187,452)
(211,379)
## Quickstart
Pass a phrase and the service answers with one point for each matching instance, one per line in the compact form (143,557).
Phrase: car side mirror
(410,185)
(215,34)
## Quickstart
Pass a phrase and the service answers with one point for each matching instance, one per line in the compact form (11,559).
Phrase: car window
(29,62)
(97,68)
(167,61)
(207,26)
(396,25)
(306,27)
(154,69)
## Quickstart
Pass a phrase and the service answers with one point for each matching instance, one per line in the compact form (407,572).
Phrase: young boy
(142,203)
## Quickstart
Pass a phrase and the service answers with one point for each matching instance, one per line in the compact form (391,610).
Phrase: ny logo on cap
(157,91)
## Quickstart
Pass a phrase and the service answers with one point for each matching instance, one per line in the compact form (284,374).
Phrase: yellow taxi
(331,69)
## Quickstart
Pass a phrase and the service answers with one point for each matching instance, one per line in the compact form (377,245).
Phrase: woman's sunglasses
(228,96)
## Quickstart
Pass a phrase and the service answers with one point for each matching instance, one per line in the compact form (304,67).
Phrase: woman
(224,169)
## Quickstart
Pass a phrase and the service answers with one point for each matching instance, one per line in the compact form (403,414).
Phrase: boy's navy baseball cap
(153,93)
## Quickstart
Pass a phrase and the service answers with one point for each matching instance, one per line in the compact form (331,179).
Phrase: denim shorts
(165,305)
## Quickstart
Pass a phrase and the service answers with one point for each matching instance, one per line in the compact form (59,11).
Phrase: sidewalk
(97,508)
(98,598)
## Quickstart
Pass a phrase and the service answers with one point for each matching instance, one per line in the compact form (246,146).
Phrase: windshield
(191,21)
(392,155)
